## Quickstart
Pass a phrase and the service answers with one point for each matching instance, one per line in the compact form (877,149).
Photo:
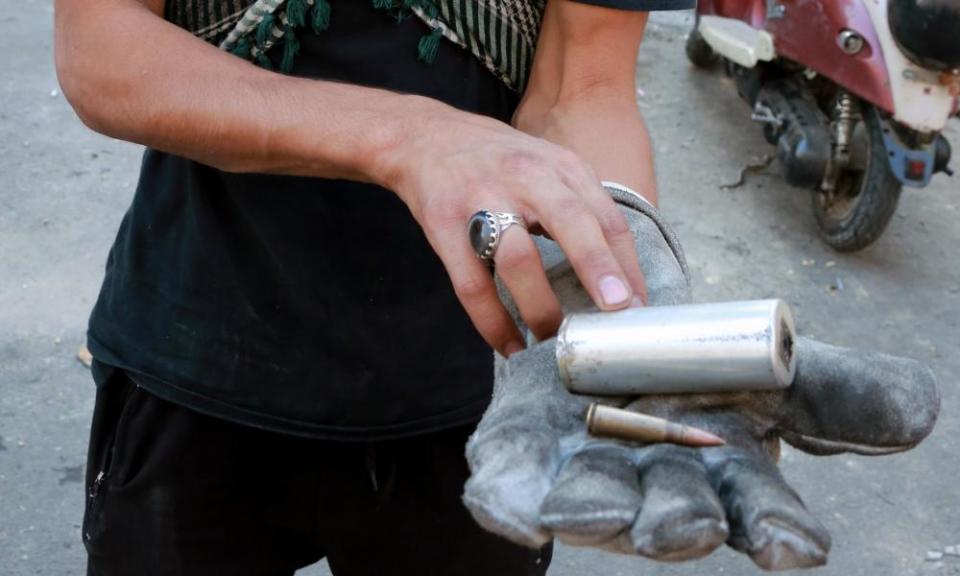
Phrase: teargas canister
(721,347)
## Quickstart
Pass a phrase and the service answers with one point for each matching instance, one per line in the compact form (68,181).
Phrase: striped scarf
(501,33)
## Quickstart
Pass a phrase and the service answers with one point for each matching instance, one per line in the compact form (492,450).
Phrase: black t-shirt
(306,306)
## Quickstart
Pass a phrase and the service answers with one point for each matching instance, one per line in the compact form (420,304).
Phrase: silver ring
(485,229)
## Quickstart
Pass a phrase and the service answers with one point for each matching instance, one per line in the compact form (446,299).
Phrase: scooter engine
(798,128)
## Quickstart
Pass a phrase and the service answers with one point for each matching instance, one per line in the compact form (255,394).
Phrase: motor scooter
(854,94)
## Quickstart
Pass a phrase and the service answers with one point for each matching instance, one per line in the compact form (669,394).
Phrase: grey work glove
(536,474)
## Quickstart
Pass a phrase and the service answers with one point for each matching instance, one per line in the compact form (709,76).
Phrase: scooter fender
(809,33)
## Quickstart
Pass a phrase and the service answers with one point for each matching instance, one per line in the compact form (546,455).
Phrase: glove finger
(515,452)
(862,402)
(510,476)
(662,507)
(681,517)
(595,498)
(768,521)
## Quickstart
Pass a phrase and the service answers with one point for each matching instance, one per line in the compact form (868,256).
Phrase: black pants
(172,491)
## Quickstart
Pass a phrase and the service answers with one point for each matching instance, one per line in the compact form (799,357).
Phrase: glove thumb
(845,400)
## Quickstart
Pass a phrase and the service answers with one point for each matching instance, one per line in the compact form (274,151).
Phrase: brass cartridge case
(610,422)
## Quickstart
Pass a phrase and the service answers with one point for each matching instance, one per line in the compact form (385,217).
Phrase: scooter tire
(878,192)
(699,52)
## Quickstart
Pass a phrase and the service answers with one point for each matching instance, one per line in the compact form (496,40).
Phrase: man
(292,337)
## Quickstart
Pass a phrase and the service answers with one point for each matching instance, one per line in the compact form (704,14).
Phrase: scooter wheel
(699,52)
(862,203)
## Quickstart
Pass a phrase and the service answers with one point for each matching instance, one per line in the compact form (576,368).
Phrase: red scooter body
(853,93)
(806,33)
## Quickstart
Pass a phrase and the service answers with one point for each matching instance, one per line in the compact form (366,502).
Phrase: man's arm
(582,91)
(131,75)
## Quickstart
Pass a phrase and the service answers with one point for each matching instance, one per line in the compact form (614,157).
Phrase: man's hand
(581,107)
(461,164)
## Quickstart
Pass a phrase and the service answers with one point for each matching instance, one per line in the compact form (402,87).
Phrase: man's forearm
(132,75)
(582,94)
(607,132)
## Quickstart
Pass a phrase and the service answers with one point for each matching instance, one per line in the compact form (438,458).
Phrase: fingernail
(637,302)
(512,347)
(613,291)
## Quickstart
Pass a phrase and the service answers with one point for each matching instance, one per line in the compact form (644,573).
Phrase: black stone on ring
(485,229)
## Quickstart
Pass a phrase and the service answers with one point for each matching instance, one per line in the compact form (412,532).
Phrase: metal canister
(720,347)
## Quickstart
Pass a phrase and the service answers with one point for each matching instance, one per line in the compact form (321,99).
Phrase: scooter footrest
(737,41)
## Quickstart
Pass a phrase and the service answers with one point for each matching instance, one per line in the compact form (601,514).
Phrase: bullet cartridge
(609,422)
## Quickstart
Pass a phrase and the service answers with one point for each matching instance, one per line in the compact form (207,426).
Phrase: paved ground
(63,191)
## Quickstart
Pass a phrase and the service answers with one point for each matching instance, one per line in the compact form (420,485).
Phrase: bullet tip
(698,437)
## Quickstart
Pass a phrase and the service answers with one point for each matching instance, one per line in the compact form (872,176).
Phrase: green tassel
(297,12)
(291,46)
(321,16)
(396,8)
(429,45)
(242,48)
(265,30)
(263,61)
(429,8)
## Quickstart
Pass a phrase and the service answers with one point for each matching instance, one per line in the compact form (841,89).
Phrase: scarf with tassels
(501,33)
